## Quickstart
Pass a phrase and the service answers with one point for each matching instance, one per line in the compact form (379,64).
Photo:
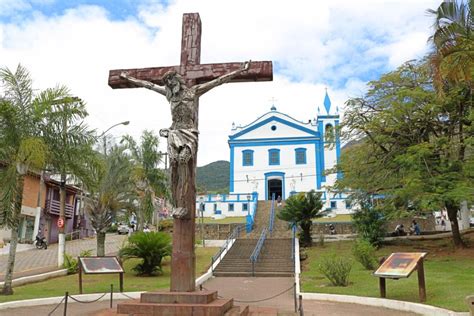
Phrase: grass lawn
(101,283)
(227,220)
(337,218)
(449,274)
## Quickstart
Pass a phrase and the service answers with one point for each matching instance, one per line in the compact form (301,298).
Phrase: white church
(281,156)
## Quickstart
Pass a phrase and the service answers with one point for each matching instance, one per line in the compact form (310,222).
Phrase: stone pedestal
(199,303)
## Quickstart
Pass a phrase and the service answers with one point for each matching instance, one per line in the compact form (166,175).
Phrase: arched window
(329,134)
(247,157)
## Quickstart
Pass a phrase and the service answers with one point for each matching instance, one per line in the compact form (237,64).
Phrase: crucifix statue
(183,85)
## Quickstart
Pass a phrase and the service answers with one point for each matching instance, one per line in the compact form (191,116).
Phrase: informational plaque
(97,265)
(100,265)
(399,265)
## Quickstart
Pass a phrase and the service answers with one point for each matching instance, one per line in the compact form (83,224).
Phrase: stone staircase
(275,256)
(262,219)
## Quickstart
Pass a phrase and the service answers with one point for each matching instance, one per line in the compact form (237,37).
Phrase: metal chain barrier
(126,295)
(59,304)
(260,300)
(87,302)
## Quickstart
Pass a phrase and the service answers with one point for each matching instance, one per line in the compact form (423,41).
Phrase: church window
(329,134)
(245,207)
(247,158)
(348,204)
(274,157)
(333,204)
(231,207)
(300,156)
(273,128)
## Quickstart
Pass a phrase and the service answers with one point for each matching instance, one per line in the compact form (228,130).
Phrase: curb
(404,306)
(37,277)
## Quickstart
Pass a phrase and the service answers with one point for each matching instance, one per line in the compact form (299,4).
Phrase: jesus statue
(183,133)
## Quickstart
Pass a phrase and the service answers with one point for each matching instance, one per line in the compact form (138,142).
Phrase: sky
(339,45)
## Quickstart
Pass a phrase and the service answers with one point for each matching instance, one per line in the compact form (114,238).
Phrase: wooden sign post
(401,265)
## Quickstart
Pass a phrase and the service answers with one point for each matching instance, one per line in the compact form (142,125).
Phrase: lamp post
(105,132)
(201,210)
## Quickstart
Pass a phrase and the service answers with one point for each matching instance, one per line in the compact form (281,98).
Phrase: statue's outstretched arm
(143,83)
(204,87)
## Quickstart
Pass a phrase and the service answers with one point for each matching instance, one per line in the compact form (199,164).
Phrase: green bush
(336,269)
(166,225)
(364,252)
(370,224)
(151,247)
(72,264)
(112,229)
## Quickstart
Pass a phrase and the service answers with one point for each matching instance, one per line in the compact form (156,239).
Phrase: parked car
(122,229)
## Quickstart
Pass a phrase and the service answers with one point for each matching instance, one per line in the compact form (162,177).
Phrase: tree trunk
(306,239)
(100,244)
(7,287)
(452,214)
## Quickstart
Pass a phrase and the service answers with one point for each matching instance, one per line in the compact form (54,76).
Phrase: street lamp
(105,132)
(201,209)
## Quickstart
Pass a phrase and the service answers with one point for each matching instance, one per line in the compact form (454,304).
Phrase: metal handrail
(258,247)
(74,232)
(293,231)
(272,214)
(233,235)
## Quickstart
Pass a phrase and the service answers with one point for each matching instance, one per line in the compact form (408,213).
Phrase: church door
(274,187)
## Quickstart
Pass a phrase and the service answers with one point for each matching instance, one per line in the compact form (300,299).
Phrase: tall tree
(301,209)
(409,145)
(70,143)
(110,190)
(21,149)
(453,41)
(150,181)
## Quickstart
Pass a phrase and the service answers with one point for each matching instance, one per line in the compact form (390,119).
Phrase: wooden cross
(190,68)
(183,264)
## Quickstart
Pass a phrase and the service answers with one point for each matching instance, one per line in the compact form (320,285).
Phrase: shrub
(166,225)
(364,252)
(151,247)
(72,264)
(370,224)
(336,269)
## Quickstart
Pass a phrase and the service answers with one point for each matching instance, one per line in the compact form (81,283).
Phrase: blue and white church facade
(277,154)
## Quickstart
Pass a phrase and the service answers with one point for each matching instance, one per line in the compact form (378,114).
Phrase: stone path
(36,261)
(244,290)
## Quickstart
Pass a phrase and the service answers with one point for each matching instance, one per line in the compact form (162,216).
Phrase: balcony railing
(52,207)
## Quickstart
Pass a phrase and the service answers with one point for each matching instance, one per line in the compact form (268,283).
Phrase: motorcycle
(41,242)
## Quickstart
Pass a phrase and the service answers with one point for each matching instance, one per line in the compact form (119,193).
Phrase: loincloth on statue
(178,139)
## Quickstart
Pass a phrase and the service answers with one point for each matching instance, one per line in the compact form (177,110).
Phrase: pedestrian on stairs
(279,201)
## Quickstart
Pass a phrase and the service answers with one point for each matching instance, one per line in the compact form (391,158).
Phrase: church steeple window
(247,157)
(273,157)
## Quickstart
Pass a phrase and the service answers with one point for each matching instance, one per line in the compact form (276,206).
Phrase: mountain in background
(213,178)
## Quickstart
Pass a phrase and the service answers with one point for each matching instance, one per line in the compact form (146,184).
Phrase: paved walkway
(35,261)
(246,291)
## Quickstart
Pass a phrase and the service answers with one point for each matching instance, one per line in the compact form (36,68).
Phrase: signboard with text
(91,265)
(399,265)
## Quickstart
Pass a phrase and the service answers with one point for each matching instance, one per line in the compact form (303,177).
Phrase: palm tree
(453,65)
(150,181)
(301,209)
(21,150)
(453,40)
(110,190)
(70,143)
(151,247)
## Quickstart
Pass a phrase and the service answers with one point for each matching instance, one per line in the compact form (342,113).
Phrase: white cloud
(337,44)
